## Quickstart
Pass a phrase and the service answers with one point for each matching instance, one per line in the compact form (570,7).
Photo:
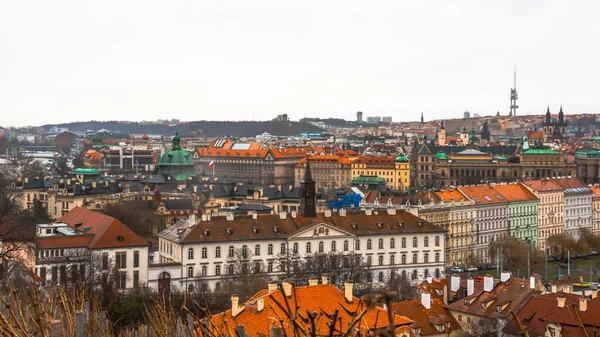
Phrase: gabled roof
(427,320)
(542,185)
(108,232)
(515,192)
(483,194)
(323,300)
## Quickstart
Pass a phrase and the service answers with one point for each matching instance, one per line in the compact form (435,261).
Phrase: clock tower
(308,193)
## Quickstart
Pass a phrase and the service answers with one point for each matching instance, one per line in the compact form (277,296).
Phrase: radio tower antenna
(513,95)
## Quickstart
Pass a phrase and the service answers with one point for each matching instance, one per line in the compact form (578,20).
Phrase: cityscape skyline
(217,61)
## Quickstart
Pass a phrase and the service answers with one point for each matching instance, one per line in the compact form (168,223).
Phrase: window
(426,258)
(369,244)
(257,250)
(380,277)
(308,248)
(136,259)
(357,245)
(426,241)
(437,257)
(218,252)
(392,259)
(204,252)
(136,279)
(333,246)
(321,248)
(122,280)
(230,269)
(104,261)
(283,248)
(392,243)
(191,254)
(231,251)
(369,260)
(381,260)
(437,241)
(403,258)
(217,270)
(244,252)
(380,243)
(270,267)
(345,245)
(414,258)
(415,244)
(190,271)
(257,267)
(426,273)
(403,242)
(121,259)
(414,275)
(203,271)
(295,247)
(270,249)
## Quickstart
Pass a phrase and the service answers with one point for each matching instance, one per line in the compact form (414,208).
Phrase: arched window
(403,258)
(392,259)
(231,251)
(270,249)
(426,257)
(204,270)
(414,275)
(381,260)
(321,247)
(218,252)
(437,241)
(415,243)
(380,276)
(244,252)
(437,257)
(369,244)
(295,247)
(392,243)
(333,246)
(345,245)
(218,270)
(308,248)
(257,267)
(414,258)
(437,273)
(230,269)
(357,245)
(426,273)
(404,274)
(190,271)
(191,254)
(380,245)
(426,241)
(257,250)
(282,251)
(403,242)
(369,260)
(218,286)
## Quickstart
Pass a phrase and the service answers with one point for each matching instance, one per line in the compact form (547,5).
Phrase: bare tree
(244,275)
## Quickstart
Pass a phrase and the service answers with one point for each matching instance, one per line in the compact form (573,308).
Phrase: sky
(63,61)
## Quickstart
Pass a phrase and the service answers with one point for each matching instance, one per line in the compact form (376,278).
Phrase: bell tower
(308,193)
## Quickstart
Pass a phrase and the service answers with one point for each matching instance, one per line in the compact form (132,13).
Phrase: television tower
(514,96)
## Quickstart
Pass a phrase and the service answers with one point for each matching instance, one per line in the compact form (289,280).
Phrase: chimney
(348,286)
(204,217)
(368,212)
(426,300)
(488,283)
(391,211)
(254,216)
(282,215)
(583,304)
(313,282)
(594,293)
(429,279)
(294,214)
(324,279)
(327,213)
(287,288)
(470,286)
(235,306)
(260,304)
(192,219)
(554,288)
(342,212)
(272,287)
(504,276)
(454,283)
(229,217)
(560,299)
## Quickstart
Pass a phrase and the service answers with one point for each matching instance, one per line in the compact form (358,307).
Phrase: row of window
(308,247)
(58,275)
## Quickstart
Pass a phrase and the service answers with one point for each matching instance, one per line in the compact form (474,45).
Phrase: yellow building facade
(394,170)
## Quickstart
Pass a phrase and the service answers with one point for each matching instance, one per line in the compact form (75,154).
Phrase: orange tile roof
(325,158)
(482,194)
(595,191)
(542,185)
(320,299)
(74,241)
(107,230)
(535,135)
(568,182)
(427,319)
(449,195)
(515,192)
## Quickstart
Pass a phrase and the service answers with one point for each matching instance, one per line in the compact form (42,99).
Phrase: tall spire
(548,115)
(422,119)
(308,193)
(513,95)
(307,172)
(561,115)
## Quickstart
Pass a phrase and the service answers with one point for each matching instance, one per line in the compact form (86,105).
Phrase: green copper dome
(402,159)
(177,163)
(86,171)
(441,155)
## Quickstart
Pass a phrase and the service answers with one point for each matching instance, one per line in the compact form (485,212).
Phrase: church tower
(442,135)
(308,193)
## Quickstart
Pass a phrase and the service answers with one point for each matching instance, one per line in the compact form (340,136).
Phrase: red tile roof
(542,185)
(482,194)
(108,232)
(320,299)
(74,241)
(427,320)
(515,192)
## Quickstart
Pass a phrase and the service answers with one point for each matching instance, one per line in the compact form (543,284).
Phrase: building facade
(460,227)
(394,170)
(577,207)
(327,171)
(550,210)
(522,212)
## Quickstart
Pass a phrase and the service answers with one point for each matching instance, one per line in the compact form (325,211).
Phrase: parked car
(472,268)
(489,266)
(456,269)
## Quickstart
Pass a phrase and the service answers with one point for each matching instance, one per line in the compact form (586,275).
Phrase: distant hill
(209,128)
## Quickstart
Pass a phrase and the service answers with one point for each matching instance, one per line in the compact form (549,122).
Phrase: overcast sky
(231,60)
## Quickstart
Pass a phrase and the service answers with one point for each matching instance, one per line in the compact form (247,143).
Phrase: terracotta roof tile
(515,192)
(427,319)
(482,194)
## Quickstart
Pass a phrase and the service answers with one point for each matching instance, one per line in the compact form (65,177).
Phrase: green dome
(86,171)
(177,163)
(441,155)
(402,159)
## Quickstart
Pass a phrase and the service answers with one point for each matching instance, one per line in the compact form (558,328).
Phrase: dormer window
(380,224)
(229,231)
(120,238)
(206,232)
(255,230)
(276,229)
(354,225)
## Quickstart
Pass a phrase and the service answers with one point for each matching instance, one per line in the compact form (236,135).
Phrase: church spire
(308,193)
(548,115)
(561,115)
